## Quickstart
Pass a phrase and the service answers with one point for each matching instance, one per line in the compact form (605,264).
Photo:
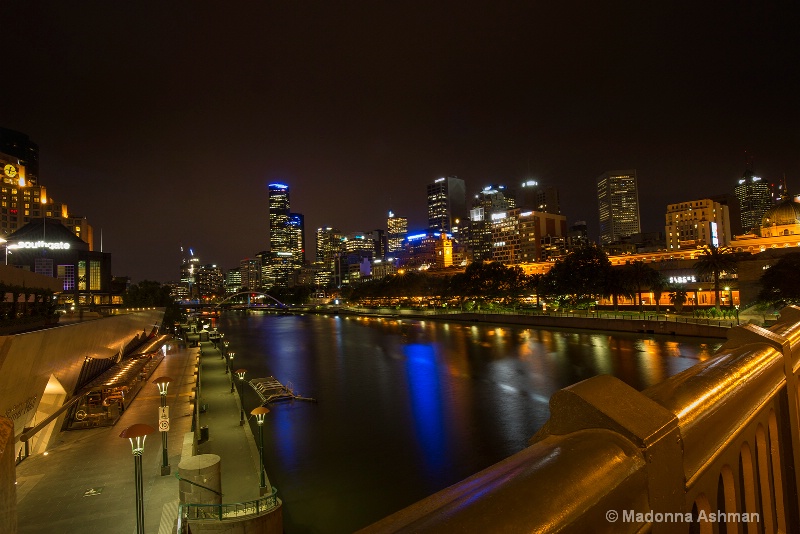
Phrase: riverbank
(632,322)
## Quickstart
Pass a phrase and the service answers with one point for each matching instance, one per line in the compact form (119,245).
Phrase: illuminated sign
(714,236)
(496,216)
(681,279)
(279,186)
(531,183)
(40,244)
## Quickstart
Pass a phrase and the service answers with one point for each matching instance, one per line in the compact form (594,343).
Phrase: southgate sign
(40,244)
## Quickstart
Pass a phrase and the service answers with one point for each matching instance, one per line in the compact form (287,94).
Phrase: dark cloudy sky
(163,122)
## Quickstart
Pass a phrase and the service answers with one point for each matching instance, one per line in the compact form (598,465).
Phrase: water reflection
(407,408)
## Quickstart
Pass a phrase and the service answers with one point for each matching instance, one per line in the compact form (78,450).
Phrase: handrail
(193,483)
(225,511)
(715,443)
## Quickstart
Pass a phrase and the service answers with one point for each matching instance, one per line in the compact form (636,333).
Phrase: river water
(406,407)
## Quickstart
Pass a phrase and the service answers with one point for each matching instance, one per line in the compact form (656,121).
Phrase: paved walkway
(85,482)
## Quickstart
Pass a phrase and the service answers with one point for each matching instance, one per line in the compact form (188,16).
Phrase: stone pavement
(85,482)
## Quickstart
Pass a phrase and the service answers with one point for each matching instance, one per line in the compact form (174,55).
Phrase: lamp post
(136,434)
(225,349)
(240,373)
(230,355)
(163,421)
(260,412)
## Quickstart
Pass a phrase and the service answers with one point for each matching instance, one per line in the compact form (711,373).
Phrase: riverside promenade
(85,483)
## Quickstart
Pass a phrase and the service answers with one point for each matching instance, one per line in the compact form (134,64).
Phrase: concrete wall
(28,361)
(8,488)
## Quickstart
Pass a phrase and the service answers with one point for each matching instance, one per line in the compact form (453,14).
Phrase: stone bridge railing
(715,448)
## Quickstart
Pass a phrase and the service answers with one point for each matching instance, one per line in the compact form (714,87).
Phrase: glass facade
(618,204)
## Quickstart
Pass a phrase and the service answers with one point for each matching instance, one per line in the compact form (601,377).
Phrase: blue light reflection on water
(426,402)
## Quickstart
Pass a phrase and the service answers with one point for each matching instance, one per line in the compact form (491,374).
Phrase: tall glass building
(618,204)
(280,234)
(755,198)
(446,204)
(397,230)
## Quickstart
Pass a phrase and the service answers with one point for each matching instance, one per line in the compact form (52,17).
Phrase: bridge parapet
(713,449)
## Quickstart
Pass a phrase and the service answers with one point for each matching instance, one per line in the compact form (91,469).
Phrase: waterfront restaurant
(47,247)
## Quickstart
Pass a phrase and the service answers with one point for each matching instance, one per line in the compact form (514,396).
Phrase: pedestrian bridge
(715,448)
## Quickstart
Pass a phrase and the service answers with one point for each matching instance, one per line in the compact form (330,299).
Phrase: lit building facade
(250,273)
(618,205)
(297,240)
(22,199)
(536,197)
(542,236)
(48,248)
(397,230)
(697,223)
(492,200)
(210,282)
(755,198)
(446,204)
(233,281)
(280,234)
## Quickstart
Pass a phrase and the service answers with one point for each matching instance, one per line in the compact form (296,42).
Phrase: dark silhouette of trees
(618,284)
(780,284)
(580,277)
(641,276)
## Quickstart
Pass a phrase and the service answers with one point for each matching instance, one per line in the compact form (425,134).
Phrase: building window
(94,279)
(66,273)
(82,275)
(43,266)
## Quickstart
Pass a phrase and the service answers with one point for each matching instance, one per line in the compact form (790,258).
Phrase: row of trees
(578,280)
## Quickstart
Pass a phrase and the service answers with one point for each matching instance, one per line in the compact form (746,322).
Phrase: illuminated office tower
(491,201)
(618,204)
(297,240)
(697,223)
(446,204)
(755,198)
(279,229)
(250,273)
(329,246)
(536,197)
(397,230)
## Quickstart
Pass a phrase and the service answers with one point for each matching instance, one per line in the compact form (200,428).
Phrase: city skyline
(165,128)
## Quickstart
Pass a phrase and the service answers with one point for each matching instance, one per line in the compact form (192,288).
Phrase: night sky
(163,122)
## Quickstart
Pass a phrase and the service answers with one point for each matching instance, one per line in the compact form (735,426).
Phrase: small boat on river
(271,390)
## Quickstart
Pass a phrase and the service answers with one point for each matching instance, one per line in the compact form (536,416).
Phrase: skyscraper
(297,240)
(755,198)
(446,204)
(536,197)
(397,230)
(492,200)
(279,229)
(618,204)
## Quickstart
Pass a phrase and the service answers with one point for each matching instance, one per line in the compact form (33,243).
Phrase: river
(407,407)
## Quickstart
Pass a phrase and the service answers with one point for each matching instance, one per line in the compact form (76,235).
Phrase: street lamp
(230,355)
(224,350)
(240,373)
(260,412)
(163,421)
(136,434)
